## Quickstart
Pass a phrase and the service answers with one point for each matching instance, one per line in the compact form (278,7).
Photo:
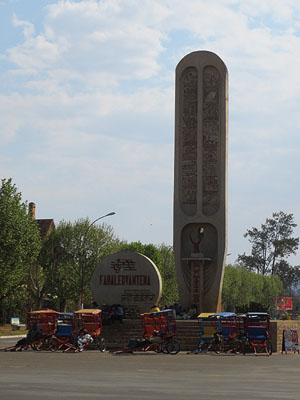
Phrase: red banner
(284,303)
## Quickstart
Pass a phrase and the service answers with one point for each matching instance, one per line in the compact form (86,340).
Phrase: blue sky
(87,108)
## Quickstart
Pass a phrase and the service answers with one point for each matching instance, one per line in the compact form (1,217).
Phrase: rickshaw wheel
(53,345)
(260,349)
(163,347)
(217,347)
(269,347)
(173,346)
(238,347)
(157,348)
(46,344)
(38,346)
(203,348)
(101,346)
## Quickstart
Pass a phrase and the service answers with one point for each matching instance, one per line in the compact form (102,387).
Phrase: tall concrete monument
(200,187)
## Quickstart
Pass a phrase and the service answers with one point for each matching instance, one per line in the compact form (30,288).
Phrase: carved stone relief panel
(188,136)
(210,141)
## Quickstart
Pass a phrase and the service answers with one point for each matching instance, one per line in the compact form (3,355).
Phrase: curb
(12,336)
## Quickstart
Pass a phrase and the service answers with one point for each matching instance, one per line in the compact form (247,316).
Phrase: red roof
(45,226)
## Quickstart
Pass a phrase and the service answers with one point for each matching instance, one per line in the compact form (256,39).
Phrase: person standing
(154,308)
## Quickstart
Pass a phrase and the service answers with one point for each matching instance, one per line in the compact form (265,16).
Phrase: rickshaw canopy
(205,315)
(92,311)
(44,311)
(225,314)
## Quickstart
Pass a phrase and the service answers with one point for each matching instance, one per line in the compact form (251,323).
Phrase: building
(45,225)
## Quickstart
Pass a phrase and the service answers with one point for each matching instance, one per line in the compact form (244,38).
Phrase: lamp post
(81,253)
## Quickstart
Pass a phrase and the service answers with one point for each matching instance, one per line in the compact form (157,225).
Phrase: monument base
(197,279)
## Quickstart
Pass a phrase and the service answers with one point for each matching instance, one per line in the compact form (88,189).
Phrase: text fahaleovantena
(124,280)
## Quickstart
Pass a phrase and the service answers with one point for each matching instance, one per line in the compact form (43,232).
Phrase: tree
(43,274)
(163,257)
(20,241)
(271,246)
(170,287)
(231,287)
(148,250)
(68,259)
(245,290)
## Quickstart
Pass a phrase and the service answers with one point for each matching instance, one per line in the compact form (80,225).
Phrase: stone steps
(117,335)
(187,332)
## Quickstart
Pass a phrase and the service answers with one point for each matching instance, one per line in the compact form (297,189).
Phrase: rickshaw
(65,334)
(44,320)
(229,328)
(159,329)
(210,333)
(163,324)
(91,320)
(257,328)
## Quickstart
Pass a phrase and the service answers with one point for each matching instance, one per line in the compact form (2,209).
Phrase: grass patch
(5,330)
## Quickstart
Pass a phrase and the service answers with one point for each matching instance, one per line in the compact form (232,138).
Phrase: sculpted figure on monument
(197,243)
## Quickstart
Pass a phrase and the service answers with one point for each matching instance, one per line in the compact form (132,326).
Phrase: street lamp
(103,216)
(81,253)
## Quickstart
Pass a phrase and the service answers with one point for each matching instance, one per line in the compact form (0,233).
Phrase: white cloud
(93,36)
(28,28)
(90,97)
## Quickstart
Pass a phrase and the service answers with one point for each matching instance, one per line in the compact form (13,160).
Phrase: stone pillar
(200,186)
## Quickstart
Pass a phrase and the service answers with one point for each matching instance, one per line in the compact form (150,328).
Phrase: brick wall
(276,332)
(118,335)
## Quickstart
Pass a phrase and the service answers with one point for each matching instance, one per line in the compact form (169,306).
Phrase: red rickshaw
(164,324)
(64,337)
(159,329)
(91,320)
(44,320)
(229,327)
(257,329)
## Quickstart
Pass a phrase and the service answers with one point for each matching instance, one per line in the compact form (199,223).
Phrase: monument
(200,181)
(127,278)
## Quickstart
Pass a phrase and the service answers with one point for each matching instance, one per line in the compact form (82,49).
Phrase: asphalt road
(94,375)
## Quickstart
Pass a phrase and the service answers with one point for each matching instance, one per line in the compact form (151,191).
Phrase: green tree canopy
(20,241)
(243,288)
(68,260)
(148,250)
(170,292)
(272,244)
(163,257)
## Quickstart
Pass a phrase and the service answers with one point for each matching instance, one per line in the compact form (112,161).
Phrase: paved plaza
(94,375)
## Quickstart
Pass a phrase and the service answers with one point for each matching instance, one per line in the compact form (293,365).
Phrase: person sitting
(95,305)
(120,313)
(178,309)
(117,313)
(154,308)
(218,337)
(191,314)
(83,338)
(106,314)
(33,335)
(155,338)
(143,343)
